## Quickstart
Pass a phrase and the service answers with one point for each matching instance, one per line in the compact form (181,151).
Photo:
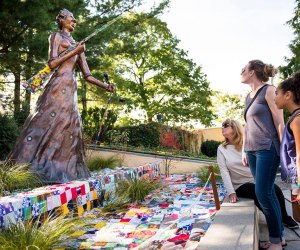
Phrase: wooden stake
(214,186)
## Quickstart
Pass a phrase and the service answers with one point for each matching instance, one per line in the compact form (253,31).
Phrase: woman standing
(288,96)
(263,132)
(52,136)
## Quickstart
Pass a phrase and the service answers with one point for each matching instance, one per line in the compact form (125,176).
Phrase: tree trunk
(27,97)
(27,76)
(150,117)
(17,93)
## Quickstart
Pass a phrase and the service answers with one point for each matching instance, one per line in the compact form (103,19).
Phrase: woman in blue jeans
(261,146)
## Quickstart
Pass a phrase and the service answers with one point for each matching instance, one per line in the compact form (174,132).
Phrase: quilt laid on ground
(174,217)
(81,195)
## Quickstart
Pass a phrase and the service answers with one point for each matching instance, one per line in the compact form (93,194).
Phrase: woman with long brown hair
(261,148)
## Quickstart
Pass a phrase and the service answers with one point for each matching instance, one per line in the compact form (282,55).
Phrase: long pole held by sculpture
(36,82)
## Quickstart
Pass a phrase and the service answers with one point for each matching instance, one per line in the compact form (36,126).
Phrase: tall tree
(154,74)
(101,12)
(293,63)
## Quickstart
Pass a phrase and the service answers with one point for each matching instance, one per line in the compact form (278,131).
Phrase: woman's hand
(244,159)
(111,88)
(80,48)
(298,196)
(233,198)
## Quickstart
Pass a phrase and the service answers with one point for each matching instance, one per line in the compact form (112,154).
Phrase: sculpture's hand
(111,88)
(80,48)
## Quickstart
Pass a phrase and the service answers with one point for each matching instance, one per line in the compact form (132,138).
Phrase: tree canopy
(155,75)
(293,63)
(232,106)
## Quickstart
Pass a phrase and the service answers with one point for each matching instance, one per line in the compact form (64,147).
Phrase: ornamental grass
(136,190)
(100,163)
(43,235)
(203,173)
(17,177)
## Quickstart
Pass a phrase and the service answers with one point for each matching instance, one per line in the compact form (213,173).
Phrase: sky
(221,36)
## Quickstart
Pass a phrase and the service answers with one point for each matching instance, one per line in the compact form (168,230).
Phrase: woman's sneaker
(290,223)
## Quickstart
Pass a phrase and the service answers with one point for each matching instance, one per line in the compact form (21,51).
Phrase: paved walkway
(292,239)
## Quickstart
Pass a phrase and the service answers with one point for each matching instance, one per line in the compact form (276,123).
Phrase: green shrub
(36,235)
(146,135)
(209,148)
(99,163)
(115,206)
(116,137)
(92,120)
(136,190)
(9,132)
(203,173)
(21,116)
(17,176)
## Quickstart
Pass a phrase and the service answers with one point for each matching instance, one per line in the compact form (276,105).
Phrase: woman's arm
(277,114)
(244,154)
(226,176)
(54,43)
(88,76)
(295,127)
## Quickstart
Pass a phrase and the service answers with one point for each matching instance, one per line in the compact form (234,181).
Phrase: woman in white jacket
(237,178)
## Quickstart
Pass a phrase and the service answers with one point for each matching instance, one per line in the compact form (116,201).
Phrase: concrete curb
(235,227)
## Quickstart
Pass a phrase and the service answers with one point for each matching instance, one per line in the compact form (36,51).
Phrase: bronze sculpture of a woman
(52,138)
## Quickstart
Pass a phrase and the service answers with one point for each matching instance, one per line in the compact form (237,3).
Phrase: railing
(214,186)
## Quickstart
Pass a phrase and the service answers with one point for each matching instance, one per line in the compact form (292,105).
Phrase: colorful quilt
(174,217)
(79,195)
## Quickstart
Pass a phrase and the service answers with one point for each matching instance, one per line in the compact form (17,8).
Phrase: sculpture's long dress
(52,136)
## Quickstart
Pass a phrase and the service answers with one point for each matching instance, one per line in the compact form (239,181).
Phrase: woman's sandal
(263,245)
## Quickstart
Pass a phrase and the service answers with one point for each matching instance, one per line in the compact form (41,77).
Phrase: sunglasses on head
(226,125)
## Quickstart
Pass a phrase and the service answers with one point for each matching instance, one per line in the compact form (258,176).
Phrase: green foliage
(293,63)
(210,147)
(36,235)
(127,121)
(203,173)
(92,120)
(17,176)
(154,74)
(286,115)
(21,116)
(146,135)
(136,190)
(9,132)
(232,106)
(99,163)
(115,206)
(116,137)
